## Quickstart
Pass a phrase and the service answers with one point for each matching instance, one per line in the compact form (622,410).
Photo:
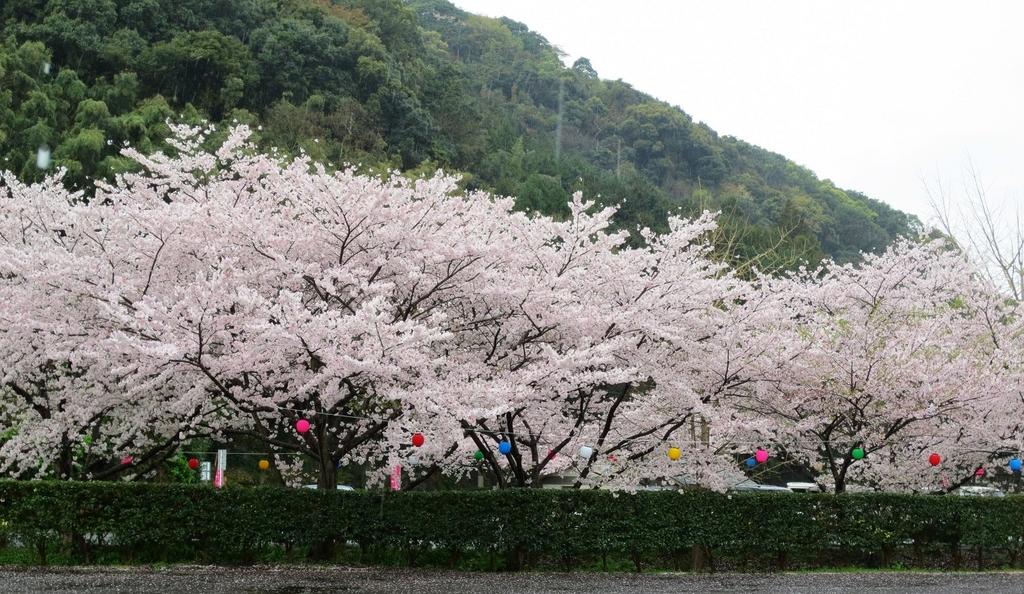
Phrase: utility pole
(618,158)
(558,124)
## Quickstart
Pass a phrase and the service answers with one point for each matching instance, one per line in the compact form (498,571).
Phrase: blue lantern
(1015,464)
(504,447)
(750,462)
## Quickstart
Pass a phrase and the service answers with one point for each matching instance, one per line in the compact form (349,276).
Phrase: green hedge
(97,522)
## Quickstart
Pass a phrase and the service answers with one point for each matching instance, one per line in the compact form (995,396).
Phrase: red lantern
(193,463)
(417,439)
(979,472)
(935,459)
(302,425)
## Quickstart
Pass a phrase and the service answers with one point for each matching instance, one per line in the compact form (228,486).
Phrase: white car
(803,487)
(340,487)
(979,492)
(749,485)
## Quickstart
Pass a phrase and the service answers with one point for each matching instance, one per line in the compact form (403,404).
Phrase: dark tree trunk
(327,478)
(780,560)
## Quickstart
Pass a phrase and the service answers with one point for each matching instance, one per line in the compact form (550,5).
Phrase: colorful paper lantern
(193,463)
(586,452)
(478,455)
(674,453)
(505,447)
(761,456)
(857,453)
(935,459)
(302,425)
(750,462)
(417,439)
(126,460)
(264,464)
(980,472)
(1015,464)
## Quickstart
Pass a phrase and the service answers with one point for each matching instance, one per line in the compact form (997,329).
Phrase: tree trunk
(41,550)
(326,481)
(515,557)
(888,553)
(322,550)
(780,560)
(65,459)
(698,559)
(328,476)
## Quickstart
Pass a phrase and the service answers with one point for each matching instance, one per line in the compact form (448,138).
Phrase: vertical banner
(396,478)
(205,471)
(222,465)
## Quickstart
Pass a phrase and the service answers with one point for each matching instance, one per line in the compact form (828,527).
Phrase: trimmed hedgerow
(95,521)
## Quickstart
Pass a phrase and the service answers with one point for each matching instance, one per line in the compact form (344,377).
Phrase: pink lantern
(761,456)
(980,472)
(302,425)
(127,460)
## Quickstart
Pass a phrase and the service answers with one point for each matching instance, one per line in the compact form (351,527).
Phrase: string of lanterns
(761,456)
(674,453)
(303,425)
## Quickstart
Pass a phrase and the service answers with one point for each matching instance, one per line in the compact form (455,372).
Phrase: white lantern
(586,452)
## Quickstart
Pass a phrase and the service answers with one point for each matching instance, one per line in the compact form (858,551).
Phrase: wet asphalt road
(292,580)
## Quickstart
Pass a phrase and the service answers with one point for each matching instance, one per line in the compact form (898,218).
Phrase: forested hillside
(411,85)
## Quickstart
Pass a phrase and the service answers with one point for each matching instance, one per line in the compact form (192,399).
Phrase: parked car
(797,487)
(340,487)
(970,491)
(749,485)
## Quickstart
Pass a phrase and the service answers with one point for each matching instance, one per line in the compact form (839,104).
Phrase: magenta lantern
(761,456)
(302,425)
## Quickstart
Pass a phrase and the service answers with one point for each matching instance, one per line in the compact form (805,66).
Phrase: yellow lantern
(674,453)
(264,464)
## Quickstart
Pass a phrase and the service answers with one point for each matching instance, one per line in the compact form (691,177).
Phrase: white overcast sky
(876,95)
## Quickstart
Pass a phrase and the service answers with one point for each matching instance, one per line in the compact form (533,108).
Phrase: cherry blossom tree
(896,356)
(290,294)
(231,294)
(67,409)
(598,358)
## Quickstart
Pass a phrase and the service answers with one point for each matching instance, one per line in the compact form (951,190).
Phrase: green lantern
(478,455)
(857,453)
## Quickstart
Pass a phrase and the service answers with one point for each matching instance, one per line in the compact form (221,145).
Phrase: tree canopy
(414,86)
